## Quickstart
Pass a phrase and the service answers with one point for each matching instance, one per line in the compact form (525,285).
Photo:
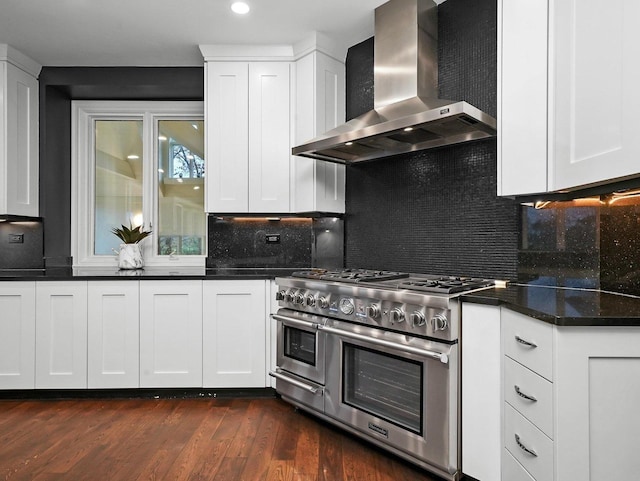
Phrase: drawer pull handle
(523,395)
(524,448)
(525,342)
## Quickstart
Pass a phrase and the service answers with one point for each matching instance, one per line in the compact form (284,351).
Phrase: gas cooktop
(397,280)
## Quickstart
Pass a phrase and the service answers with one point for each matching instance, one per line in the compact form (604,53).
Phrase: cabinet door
(17,335)
(481,394)
(269,139)
(21,149)
(597,395)
(171,333)
(61,335)
(227,137)
(522,97)
(234,334)
(113,334)
(320,106)
(594,91)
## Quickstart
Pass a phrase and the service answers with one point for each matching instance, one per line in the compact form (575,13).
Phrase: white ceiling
(167,33)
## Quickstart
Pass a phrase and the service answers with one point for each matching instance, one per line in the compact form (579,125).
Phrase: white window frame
(84,113)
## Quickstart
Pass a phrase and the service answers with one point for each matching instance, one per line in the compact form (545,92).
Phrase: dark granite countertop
(564,306)
(148,273)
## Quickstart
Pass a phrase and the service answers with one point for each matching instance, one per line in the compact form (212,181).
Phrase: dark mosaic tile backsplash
(435,211)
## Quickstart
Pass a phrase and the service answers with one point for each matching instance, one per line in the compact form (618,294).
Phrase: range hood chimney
(407,114)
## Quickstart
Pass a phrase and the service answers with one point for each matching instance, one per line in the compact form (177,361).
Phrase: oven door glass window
(300,345)
(386,386)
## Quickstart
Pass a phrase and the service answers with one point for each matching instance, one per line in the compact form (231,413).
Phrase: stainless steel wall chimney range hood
(407,114)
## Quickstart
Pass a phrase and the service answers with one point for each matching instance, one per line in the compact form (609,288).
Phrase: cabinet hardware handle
(524,448)
(440,356)
(294,321)
(525,342)
(523,395)
(296,383)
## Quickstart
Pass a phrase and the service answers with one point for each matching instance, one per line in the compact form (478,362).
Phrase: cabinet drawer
(520,435)
(512,470)
(535,398)
(528,341)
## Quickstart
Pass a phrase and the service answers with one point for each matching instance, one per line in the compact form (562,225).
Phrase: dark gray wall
(58,87)
(435,211)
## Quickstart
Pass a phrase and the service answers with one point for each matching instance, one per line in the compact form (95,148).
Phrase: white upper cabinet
(247,117)
(260,101)
(227,137)
(18,133)
(320,106)
(567,94)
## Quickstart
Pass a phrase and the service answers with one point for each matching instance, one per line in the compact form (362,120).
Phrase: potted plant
(130,255)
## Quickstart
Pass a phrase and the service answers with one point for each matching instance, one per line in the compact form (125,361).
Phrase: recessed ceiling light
(161,137)
(197,187)
(348,143)
(161,171)
(408,129)
(241,8)
(133,157)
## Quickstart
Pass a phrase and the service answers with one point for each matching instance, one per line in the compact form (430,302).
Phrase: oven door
(300,345)
(398,390)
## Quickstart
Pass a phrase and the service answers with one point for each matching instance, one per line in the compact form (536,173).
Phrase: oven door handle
(294,321)
(440,356)
(295,382)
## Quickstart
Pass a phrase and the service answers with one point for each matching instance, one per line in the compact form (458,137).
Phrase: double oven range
(377,353)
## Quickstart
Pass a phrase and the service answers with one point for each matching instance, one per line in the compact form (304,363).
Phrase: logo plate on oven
(384,432)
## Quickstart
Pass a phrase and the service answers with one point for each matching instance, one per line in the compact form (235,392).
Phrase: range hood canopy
(407,114)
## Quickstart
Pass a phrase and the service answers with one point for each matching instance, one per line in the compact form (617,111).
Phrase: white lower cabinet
(113,334)
(171,333)
(481,397)
(61,335)
(17,335)
(235,333)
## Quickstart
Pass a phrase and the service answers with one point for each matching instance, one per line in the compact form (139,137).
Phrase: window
(139,163)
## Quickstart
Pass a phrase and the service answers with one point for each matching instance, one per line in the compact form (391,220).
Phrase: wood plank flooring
(183,439)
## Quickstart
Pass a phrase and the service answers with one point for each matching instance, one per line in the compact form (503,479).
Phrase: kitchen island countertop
(563,306)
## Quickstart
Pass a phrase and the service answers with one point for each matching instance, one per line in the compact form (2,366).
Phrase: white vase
(130,257)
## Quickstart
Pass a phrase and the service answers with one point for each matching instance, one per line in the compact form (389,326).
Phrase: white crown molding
(11,55)
(320,42)
(253,53)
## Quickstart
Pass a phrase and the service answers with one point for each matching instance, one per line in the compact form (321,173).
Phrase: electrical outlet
(16,238)
(272,238)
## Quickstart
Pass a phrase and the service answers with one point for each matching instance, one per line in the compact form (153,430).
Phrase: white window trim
(83,175)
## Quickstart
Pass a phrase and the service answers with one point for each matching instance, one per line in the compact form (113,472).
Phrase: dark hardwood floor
(183,439)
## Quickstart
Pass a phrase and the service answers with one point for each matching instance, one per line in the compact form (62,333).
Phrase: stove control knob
(373,311)
(323,303)
(310,301)
(298,299)
(288,297)
(280,295)
(396,315)
(439,323)
(417,319)
(346,306)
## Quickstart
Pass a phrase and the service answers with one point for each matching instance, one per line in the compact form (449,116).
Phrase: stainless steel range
(376,352)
